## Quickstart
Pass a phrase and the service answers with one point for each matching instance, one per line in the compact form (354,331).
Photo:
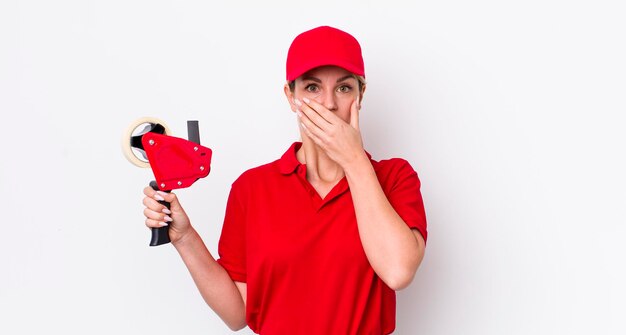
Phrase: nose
(328,99)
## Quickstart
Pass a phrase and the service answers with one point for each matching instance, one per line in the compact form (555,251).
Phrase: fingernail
(168,219)
(299,113)
(166,211)
(158,197)
(161,193)
(298,103)
(306,100)
(163,224)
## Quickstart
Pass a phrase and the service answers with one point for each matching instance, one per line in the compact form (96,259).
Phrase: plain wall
(512,112)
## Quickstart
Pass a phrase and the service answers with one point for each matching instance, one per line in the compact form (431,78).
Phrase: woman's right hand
(158,215)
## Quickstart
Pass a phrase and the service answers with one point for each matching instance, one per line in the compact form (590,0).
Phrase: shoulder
(393,166)
(270,172)
(392,171)
(258,174)
(267,174)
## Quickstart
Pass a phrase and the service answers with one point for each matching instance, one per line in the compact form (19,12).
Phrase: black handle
(160,235)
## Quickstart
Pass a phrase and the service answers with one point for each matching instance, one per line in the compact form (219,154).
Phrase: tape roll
(136,127)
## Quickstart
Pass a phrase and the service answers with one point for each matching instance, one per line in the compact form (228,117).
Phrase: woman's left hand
(340,140)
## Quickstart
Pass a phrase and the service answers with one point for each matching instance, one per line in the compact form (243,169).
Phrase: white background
(510,111)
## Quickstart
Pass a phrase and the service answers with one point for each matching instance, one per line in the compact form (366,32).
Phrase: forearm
(391,247)
(215,285)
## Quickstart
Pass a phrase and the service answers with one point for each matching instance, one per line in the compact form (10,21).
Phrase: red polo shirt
(301,255)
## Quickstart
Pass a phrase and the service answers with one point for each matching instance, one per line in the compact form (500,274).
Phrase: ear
(290,97)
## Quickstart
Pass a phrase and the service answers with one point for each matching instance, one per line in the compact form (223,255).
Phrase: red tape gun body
(175,162)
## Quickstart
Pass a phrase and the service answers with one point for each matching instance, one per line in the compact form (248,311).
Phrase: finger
(324,112)
(155,205)
(313,115)
(155,224)
(156,215)
(171,198)
(160,195)
(311,135)
(354,114)
(150,192)
(310,125)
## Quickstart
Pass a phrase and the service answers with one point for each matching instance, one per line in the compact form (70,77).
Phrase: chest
(294,229)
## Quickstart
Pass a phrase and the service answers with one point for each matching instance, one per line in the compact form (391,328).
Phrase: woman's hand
(340,140)
(158,215)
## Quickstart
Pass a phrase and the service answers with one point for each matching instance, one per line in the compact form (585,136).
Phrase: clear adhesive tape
(132,154)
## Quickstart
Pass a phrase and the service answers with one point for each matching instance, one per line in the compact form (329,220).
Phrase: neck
(319,167)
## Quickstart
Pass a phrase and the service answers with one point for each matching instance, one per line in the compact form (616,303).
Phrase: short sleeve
(405,196)
(232,244)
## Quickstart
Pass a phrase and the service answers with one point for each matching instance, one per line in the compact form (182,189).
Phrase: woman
(317,241)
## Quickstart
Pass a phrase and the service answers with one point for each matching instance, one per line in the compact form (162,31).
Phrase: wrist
(185,238)
(360,162)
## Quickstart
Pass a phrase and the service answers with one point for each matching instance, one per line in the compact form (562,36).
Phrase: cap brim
(304,68)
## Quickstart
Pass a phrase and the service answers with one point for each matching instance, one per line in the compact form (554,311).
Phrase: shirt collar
(288,163)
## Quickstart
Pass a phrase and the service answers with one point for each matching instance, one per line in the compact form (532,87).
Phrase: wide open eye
(344,88)
(312,88)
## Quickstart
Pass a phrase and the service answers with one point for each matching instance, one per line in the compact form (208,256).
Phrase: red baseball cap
(324,46)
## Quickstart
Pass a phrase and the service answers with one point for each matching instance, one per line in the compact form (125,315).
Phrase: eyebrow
(344,78)
(317,80)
